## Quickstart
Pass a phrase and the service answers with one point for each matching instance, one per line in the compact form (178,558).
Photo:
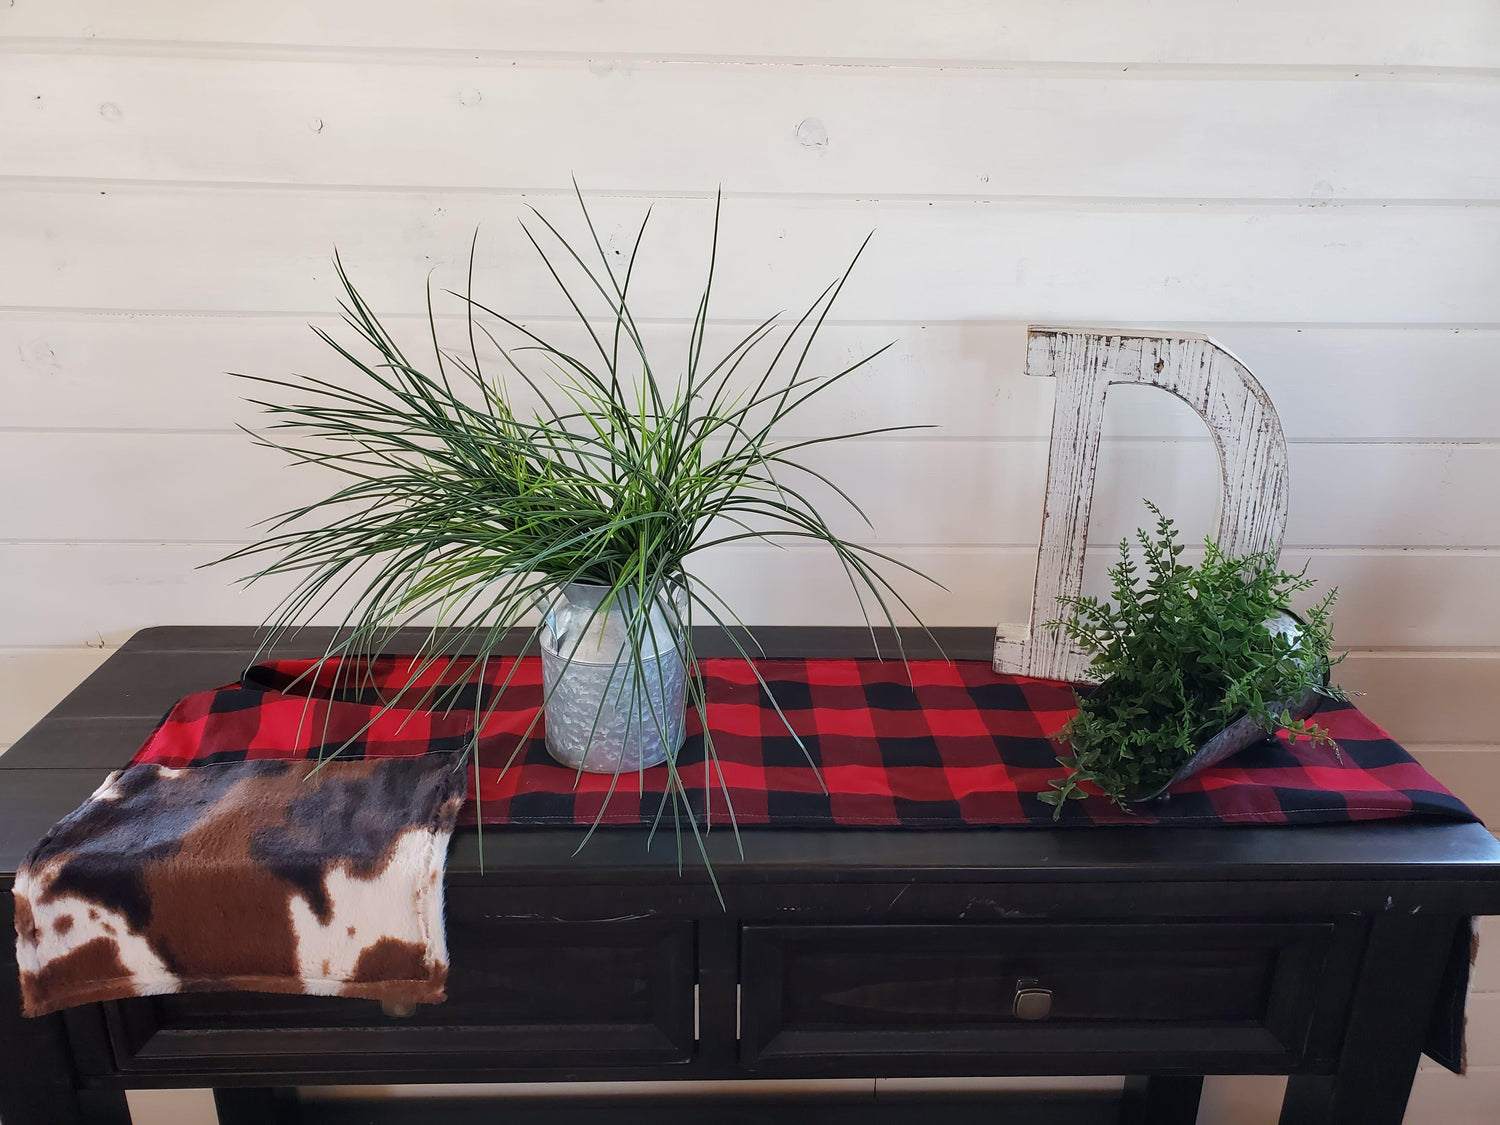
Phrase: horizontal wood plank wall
(1364,34)
(1316,184)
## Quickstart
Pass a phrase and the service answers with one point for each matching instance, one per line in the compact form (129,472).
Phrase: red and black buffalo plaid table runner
(929,745)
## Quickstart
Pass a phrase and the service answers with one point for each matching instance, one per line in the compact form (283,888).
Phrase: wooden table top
(103,721)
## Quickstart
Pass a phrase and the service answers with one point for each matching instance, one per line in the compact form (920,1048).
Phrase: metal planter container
(611,706)
(1232,739)
(1242,732)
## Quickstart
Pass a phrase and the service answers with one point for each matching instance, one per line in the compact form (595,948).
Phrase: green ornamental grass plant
(461,509)
(1181,653)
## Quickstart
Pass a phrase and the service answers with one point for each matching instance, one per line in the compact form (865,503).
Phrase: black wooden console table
(1165,953)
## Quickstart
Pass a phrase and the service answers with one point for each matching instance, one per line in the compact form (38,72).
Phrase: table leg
(1160,1099)
(102,1107)
(37,1086)
(37,1082)
(1392,1008)
(255,1105)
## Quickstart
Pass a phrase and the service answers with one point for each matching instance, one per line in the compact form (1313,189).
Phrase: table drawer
(521,994)
(1184,992)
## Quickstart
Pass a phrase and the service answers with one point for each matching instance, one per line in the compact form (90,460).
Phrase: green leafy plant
(1181,653)
(462,508)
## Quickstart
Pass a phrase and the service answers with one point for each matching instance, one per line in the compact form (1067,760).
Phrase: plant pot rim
(617,663)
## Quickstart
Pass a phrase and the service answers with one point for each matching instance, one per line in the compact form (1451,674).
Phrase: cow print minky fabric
(263,875)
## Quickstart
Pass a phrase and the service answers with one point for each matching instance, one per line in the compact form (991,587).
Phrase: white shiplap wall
(1316,184)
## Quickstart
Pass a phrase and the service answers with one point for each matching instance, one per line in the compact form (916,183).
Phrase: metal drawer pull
(1032,1001)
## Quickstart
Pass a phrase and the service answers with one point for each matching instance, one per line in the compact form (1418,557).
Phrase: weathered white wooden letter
(1245,429)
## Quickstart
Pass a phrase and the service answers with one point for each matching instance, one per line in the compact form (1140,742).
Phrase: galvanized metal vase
(611,706)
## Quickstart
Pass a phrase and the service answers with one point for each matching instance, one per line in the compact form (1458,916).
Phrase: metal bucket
(610,708)
(1244,731)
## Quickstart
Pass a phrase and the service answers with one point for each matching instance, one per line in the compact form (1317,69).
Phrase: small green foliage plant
(1180,653)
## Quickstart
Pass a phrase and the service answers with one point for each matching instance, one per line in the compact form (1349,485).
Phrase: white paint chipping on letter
(1240,418)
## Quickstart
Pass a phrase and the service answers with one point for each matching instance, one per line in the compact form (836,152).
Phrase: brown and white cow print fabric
(271,876)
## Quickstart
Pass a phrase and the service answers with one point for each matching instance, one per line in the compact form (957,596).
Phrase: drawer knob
(1032,1001)
(398,1009)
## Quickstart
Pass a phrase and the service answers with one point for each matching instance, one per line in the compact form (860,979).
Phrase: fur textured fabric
(271,876)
